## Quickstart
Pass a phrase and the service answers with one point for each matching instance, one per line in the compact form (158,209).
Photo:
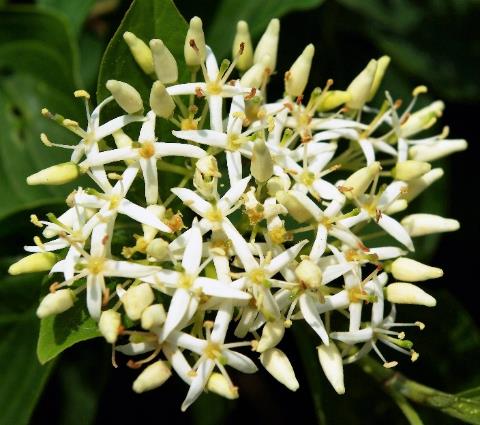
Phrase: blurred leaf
(37,64)
(222,29)
(147,19)
(23,378)
(76,11)
(60,332)
(472,393)
(202,411)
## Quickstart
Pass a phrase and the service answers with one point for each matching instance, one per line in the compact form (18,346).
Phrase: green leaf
(147,19)
(75,11)
(37,61)
(57,333)
(222,29)
(472,393)
(23,378)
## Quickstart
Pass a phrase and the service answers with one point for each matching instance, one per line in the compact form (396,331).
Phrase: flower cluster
(275,216)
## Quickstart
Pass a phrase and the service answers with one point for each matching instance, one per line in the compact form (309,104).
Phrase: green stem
(394,382)
(177,169)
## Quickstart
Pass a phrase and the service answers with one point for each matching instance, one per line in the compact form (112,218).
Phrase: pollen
(147,150)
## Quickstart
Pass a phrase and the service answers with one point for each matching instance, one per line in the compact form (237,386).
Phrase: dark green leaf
(37,61)
(60,332)
(23,378)
(222,30)
(75,11)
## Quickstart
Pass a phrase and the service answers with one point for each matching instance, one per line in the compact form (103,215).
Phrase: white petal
(197,386)
(178,362)
(352,221)
(355,309)
(193,250)
(240,245)
(147,131)
(312,317)
(188,88)
(283,259)
(216,288)
(234,166)
(178,149)
(222,320)
(396,230)
(116,124)
(326,190)
(211,64)
(112,155)
(355,337)
(142,215)
(338,301)
(127,269)
(319,244)
(335,271)
(150,175)
(95,286)
(192,200)
(367,149)
(233,194)
(54,245)
(215,103)
(176,312)
(206,137)
(239,361)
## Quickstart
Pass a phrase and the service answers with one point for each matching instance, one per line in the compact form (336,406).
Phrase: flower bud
(309,274)
(55,303)
(361,86)
(333,99)
(382,65)
(218,384)
(408,170)
(208,166)
(109,325)
(426,224)
(277,183)
(245,60)
(140,52)
(413,271)
(136,299)
(290,200)
(359,181)
(55,175)
(127,97)
(195,32)
(268,45)
(417,186)
(422,119)
(38,262)
(153,316)
(164,62)
(296,77)
(278,365)
(407,293)
(261,166)
(256,75)
(396,206)
(158,249)
(331,362)
(272,334)
(160,101)
(437,150)
(153,376)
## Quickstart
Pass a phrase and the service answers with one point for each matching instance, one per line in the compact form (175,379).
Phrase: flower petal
(192,200)
(239,361)
(312,317)
(206,137)
(396,230)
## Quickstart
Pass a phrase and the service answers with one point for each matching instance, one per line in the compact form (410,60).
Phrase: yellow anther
(81,93)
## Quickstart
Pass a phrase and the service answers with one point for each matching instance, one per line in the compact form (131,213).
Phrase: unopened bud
(407,293)
(153,376)
(208,166)
(408,170)
(382,65)
(164,62)
(268,45)
(277,183)
(413,271)
(218,384)
(422,119)
(417,186)
(194,48)
(296,77)
(331,362)
(309,274)
(360,87)
(55,303)
(359,181)
(261,166)
(278,365)
(136,299)
(333,99)
(55,175)
(127,97)
(426,224)
(109,325)
(158,249)
(38,262)
(140,52)
(437,150)
(291,201)
(256,75)
(272,334)
(245,60)
(160,101)
(153,316)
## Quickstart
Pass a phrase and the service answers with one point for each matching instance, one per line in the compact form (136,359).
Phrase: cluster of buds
(281,203)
